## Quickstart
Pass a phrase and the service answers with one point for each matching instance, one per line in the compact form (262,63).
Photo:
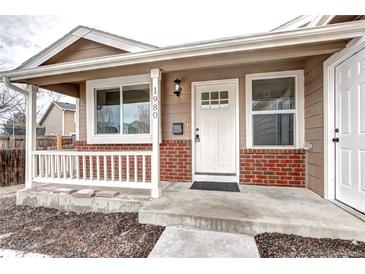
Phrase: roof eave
(252,42)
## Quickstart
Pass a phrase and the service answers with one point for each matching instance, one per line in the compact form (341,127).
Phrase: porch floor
(256,209)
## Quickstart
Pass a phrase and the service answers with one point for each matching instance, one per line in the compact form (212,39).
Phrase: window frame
(114,138)
(298,111)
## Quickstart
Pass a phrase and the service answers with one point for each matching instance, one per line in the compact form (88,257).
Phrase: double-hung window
(274,103)
(118,110)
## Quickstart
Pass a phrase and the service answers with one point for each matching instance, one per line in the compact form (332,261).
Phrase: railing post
(155,111)
(30,132)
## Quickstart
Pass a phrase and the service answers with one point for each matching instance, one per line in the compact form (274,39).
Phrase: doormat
(216,186)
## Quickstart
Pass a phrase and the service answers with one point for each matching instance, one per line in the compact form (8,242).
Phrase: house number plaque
(155,103)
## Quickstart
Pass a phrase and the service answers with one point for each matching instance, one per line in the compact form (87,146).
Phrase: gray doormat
(216,186)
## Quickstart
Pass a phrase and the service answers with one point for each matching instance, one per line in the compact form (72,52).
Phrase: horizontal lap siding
(83,49)
(69,122)
(314,121)
(53,121)
(178,109)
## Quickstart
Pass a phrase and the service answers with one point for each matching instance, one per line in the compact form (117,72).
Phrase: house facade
(282,108)
(59,118)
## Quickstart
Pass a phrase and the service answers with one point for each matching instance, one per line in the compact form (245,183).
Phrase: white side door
(350,122)
(215,129)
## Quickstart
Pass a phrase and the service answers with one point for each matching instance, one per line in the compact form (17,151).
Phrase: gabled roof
(61,106)
(95,35)
(246,43)
(308,21)
(304,21)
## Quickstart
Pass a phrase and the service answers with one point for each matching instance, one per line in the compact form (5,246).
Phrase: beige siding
(83,49)
(178,109)
(69,122)
(53,121)
(313,113)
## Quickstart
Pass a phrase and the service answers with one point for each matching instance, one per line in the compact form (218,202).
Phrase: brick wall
(278,167)
(175,161)
(175,158)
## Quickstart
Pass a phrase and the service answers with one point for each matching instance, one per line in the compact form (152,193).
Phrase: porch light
(178,88)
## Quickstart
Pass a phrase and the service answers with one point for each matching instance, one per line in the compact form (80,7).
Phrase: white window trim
(299,99)
(118,138)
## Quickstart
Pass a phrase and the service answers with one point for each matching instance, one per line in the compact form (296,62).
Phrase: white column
(77,119)
(155,161)
(30,128)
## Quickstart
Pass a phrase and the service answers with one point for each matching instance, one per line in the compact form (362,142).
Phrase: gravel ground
(67,234)
(275,245)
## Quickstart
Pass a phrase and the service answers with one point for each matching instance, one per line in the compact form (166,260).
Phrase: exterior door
(350,124)
(215,129)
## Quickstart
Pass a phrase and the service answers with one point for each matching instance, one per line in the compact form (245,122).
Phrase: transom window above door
(118,110)
(274,103)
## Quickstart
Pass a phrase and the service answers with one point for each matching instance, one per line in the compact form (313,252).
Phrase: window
(107,110)
(273,103)
(118,110)
(136,109)
(214,99)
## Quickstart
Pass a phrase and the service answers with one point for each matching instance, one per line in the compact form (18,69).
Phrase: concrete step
(254,210)
(80,200)
(185,242)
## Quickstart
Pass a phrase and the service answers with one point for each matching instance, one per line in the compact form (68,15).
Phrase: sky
(22,36)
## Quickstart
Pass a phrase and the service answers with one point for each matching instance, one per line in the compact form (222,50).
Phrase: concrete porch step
(254,210)
(81,199)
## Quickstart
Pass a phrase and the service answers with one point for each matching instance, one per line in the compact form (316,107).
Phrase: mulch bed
(276,245)
(68,234)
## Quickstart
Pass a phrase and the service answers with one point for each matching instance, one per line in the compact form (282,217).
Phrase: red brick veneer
(176,161)
(277,167)
(175,157)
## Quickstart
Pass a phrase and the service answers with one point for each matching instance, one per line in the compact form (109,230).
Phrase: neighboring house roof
(274,39)
(65,106)
(95,35)
(61,106)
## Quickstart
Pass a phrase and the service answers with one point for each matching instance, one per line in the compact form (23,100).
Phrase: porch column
(30,132)
(155,159)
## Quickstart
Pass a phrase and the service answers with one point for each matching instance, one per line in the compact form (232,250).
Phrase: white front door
(215,130)
(350,124)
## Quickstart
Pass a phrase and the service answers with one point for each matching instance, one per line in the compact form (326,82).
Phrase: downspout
(10,85)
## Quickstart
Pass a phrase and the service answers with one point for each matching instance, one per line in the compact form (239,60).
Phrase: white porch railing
(131,169)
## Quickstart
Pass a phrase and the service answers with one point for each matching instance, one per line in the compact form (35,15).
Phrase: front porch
(254,210)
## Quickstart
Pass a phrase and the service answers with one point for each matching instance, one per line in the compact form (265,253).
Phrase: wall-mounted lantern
(178,88)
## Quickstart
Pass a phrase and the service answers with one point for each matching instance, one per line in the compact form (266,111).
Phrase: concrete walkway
(8,253)
(253,210)
(9,191)
(183,242)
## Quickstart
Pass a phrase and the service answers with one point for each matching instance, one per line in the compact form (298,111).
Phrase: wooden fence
(43,142)
(12,167)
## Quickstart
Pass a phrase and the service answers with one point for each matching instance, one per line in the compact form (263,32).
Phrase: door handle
(335,140)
